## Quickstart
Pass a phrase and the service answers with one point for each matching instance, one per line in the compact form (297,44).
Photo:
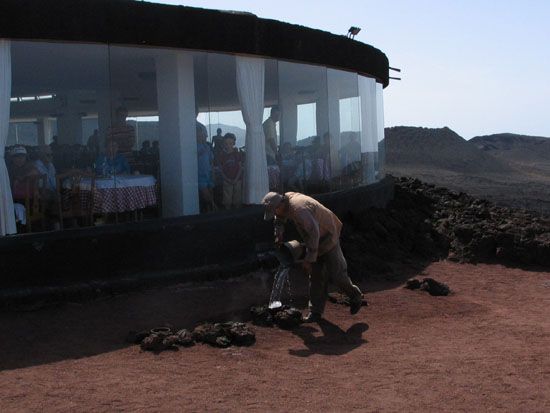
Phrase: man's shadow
(333,342)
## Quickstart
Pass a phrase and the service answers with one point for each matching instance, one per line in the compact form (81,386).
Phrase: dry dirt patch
(483,347)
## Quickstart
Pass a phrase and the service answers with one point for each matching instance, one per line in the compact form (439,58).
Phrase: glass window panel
(156,97)
(224,117)
(345,128)
(56,93)
(23,132)
(380,125)
(304,146)
(369,131)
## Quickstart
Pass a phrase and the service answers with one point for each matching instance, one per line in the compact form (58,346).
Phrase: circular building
(122,111)
(155,78)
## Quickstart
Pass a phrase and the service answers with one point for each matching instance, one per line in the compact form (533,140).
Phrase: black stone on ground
(284,317)
(429,285)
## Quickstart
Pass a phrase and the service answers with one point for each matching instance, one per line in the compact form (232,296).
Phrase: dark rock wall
(424,223)
(213,242)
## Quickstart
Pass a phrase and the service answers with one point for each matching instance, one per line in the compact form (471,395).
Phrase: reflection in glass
(345,128)
(380,131)
(304,150)
(369,131)
(58,91)
(187,127)
(128,168)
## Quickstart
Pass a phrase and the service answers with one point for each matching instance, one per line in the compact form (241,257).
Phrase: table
(119,193)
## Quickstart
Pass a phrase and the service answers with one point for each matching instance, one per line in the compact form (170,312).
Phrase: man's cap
(270,202)
(18,150)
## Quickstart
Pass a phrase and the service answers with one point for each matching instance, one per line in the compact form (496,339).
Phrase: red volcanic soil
(483,348)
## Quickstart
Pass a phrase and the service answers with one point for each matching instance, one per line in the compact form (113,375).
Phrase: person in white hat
(320,230)
(19,167)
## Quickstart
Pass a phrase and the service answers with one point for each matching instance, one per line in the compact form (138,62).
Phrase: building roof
(150,24)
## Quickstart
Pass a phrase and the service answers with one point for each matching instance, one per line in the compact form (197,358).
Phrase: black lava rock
(434,287)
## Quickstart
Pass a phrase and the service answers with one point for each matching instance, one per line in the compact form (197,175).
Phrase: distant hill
(508,169)
(530,152)
(437,149)
(149,130)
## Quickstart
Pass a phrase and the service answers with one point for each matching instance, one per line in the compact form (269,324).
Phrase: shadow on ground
(39,335)
(333,342)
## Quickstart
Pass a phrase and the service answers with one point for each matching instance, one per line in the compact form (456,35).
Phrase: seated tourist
(45,166)
(19,168)
(111,162)
(20,215)
(48,193)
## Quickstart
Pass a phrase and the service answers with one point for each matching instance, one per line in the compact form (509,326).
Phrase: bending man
(320,230)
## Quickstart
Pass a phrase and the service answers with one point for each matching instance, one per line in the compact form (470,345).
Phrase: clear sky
(478,67)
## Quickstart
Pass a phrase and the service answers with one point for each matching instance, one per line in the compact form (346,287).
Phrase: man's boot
(355,305)
(312,318)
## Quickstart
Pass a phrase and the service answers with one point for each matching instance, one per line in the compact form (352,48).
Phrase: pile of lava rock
(284,316)
(215,334)
(429,285)
(426,223)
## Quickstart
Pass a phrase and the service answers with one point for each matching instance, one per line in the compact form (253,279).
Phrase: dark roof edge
(152,24)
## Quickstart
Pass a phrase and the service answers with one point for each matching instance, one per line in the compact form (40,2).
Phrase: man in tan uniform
(320,231)
(270,132)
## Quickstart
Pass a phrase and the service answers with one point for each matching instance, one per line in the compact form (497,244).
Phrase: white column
(250,88)
(177,134)
(44,127)
(333,92)
(369,140)
(47,128)
(288,126)
(40,131)
(69,124)
(7,213)
(289,120)
(69,128)
(380,131)
(321,115)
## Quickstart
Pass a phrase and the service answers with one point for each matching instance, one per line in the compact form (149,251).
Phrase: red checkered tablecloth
(120,194)
(120,199)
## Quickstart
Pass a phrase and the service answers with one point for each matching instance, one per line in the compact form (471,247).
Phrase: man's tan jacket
(318,226)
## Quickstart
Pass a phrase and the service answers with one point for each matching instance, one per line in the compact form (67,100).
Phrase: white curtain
(250,87)
(7,214)
(380,129)
(369,140)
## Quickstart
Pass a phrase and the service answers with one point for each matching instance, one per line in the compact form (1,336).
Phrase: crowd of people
(220,164)
(290,168)
(33,170)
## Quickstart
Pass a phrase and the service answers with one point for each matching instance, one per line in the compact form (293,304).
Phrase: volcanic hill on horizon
(438,149)
(529,152)
(508,169)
